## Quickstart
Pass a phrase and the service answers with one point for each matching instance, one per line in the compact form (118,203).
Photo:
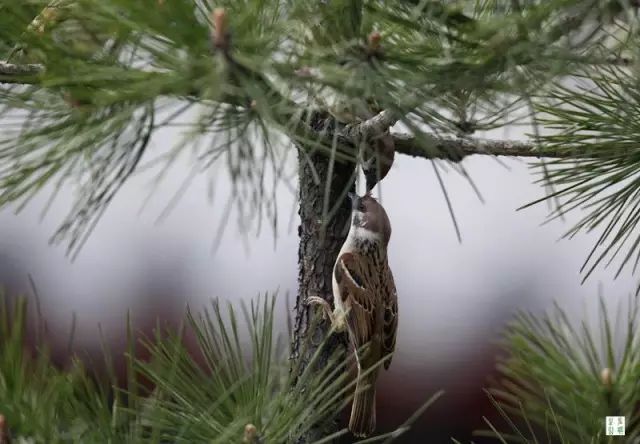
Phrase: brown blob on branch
(606,376)
(250,434)
(5,438)
(220,29)
(48,15)
(374,41)
(378,165)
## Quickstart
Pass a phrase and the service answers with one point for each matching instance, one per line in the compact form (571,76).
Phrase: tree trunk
(316,256)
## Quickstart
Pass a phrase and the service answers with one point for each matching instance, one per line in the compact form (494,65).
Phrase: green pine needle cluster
(595,121)
(235,385)
(560,379)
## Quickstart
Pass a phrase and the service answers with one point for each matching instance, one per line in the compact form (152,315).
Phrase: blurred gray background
(454,297)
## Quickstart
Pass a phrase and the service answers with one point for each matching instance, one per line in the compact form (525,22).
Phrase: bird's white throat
(357,235)
(363,234)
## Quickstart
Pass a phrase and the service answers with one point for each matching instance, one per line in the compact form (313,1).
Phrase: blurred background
(455,297)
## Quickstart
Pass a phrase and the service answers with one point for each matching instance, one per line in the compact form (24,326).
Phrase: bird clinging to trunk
(366,304)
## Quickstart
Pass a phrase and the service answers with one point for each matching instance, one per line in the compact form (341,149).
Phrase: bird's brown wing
(358,279)
(390,315)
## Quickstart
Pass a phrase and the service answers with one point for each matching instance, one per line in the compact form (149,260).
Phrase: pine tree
(86,84)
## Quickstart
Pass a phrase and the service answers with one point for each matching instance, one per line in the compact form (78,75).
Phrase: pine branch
(378,124)
(432,146)
(429,146)
(19,73)
(449,76)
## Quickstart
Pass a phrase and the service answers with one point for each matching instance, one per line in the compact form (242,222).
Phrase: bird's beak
(353,197)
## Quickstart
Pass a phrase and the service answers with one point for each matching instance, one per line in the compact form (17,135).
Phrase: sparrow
(366,303)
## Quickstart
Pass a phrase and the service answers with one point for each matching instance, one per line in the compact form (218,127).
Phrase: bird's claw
(317,300)
(336,319)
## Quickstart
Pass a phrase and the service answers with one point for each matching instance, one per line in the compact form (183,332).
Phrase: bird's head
(368,215)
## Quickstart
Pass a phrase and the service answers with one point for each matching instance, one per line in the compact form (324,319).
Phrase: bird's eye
(361,206)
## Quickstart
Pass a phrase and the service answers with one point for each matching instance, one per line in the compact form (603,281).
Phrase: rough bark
(317,253)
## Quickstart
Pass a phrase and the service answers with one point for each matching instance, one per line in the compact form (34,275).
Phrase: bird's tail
(363,411)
